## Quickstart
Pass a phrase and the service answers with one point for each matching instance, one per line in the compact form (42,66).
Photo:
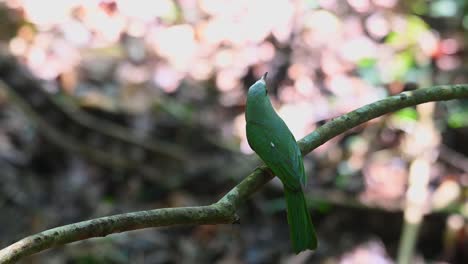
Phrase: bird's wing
(278,149)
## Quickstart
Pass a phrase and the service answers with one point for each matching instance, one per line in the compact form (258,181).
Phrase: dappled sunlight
(417,193)
(359,48)
(370,252)
(57,11)
(361,6)
(177,44)
(144,10)
(447,193)
(296,115)
(184,67)
(167,78)
(380,187)
(377,25)
(239,129)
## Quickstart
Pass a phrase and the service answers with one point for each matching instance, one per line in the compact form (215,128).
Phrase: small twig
(224,210)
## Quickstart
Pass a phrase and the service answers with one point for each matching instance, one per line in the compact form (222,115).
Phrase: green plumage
(271,139)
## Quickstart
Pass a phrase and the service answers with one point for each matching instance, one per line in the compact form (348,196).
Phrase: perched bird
(272,140)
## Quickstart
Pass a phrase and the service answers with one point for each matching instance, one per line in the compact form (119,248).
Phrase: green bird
(272,140)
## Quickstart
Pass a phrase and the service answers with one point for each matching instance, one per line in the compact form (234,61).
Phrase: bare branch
(390,104)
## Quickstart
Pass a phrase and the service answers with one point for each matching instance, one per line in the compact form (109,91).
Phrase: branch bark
(223,211)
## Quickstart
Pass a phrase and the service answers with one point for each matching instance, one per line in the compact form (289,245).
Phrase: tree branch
(379,108)
(223,211)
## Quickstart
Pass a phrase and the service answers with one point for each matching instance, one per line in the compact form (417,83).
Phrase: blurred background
(177,71)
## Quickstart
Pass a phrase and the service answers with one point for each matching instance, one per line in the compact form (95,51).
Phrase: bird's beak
(264,79)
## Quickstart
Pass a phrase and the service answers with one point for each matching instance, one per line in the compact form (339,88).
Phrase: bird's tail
(301,230)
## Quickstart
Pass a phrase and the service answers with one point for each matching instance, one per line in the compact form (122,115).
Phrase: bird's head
(258,89)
